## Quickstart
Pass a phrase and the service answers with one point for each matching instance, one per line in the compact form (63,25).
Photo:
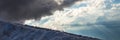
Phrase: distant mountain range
(10,31)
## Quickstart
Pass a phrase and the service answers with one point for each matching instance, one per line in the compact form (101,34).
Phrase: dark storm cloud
(67,3)
(16,10)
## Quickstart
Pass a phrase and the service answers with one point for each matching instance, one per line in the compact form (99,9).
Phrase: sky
(93,18)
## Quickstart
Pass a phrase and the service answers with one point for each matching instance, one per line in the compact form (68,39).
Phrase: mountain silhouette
(13,31)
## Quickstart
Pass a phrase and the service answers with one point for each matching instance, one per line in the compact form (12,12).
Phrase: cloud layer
(20,10)
(96,18)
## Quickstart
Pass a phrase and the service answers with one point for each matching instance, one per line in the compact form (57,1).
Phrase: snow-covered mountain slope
(10,31)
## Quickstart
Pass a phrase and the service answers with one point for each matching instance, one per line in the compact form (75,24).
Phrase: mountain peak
(9,31)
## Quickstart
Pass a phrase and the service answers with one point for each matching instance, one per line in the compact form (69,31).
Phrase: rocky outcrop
(10,31)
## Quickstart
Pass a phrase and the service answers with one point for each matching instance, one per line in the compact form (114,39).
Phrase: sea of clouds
(96,18)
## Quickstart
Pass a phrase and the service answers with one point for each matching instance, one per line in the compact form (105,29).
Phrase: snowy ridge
(24,32)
